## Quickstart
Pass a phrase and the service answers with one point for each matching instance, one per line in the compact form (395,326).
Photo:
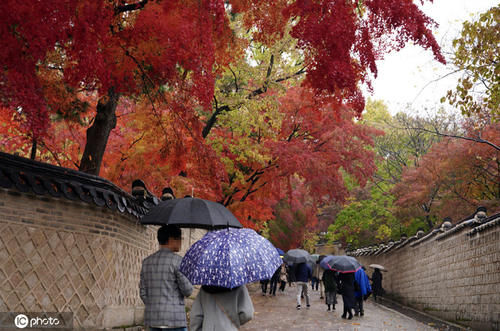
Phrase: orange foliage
(454,177)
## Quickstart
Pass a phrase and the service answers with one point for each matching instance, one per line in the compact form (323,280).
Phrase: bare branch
(477,140)
(434,81)
(235,79)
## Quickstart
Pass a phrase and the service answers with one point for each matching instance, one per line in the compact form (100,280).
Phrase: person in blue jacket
(362,292)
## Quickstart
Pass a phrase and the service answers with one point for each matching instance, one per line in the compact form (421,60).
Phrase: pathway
(279,313)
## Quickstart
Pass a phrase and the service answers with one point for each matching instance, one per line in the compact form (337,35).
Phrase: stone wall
(67,256)
(72,242)
(59,255)
(452,274)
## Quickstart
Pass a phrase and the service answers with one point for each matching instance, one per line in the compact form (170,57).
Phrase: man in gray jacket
(162,286)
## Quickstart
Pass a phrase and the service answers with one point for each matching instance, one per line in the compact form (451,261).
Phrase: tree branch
(477,140)
(263,89)
(300,72)
(213,119)
(235,79)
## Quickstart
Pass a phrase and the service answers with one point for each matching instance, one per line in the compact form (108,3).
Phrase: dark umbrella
(340,263)
(191,213)
(280,251)
(230,258)
(296,256)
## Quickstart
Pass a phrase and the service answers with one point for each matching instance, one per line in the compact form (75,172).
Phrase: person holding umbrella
(346,266)
(347,289)
(162,286)
(301,271)
(330,281)
(303,274)
(223,262)
(363,291)
(221,308)
(377,283)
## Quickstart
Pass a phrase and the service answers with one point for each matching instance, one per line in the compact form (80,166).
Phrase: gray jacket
(163,288)
(221,311)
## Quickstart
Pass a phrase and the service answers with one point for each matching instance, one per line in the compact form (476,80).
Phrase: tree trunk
(98,133)
(429,221)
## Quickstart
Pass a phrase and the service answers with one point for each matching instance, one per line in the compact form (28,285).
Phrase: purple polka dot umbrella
(230,258)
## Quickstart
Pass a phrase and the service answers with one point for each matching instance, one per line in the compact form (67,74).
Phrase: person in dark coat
(376,283)
(274,282)
(291,274)
(364,289)
(263,285)
(330,282)
(347,286)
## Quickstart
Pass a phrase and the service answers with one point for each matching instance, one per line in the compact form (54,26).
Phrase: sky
(404,80)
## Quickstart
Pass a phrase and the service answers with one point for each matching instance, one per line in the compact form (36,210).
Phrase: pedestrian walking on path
(317,276)
(274,282)
(364,290)
(263,285)
(219,308)
(377,283)
(162,286)
(303,274)
(283,277)
(347,291)
(330,281)
(223,262)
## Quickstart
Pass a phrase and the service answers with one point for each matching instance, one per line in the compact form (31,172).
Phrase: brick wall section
(456,278)
(61,255)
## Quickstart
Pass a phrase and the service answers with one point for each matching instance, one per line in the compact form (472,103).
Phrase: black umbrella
(297,255)
(191,213)
(340,263)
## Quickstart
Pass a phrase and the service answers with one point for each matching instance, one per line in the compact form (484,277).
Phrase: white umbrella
(378,266)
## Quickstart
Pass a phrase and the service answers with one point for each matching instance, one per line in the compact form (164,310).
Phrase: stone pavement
(279,313)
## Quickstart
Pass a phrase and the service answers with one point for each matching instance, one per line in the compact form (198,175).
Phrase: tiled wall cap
(27,175)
